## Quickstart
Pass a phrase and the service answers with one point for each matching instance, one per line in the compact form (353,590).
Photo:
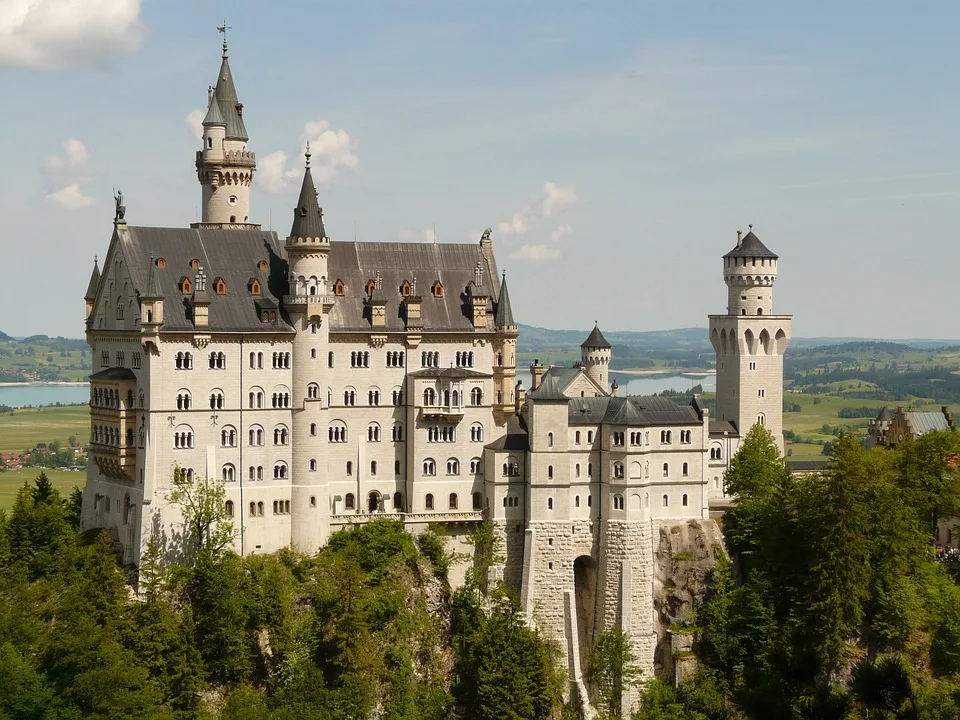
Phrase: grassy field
(12,480)
(23,429)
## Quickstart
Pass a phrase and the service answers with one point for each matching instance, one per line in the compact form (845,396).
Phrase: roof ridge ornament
(307,154)
(223,29)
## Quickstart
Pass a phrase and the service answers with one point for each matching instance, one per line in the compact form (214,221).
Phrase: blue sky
(614,147)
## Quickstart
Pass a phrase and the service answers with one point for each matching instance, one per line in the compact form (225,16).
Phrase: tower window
(437,289)
(338,288)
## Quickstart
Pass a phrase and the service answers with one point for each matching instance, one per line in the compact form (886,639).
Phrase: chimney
(739,238)
(520,397)
(614,387)
(948,415)
(536,371)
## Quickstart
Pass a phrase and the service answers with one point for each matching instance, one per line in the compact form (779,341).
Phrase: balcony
(450,413)
(307,301)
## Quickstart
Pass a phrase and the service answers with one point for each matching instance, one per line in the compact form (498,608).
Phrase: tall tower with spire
(505,353)
(595,356)
(308,306)
(224,166)
(750,341)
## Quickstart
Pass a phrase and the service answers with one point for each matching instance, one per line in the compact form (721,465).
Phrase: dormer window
(338,288)
(161,263)
(406,289)
(195,263)
(186,287)
(437,289)
(220,286)
(371,284)
(262,266)
(255,287)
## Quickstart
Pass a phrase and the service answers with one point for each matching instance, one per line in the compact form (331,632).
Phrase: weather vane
(223,29)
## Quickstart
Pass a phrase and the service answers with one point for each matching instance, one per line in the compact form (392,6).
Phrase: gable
(116,306)
(583,384)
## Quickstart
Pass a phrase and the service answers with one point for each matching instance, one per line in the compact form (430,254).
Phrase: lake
(25,394)
(43,394)
(651,384)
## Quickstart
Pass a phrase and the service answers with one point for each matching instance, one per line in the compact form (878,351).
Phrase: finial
(307,154)
(504,273)
(750,226)
(94,259)
(223,29)
(596,324)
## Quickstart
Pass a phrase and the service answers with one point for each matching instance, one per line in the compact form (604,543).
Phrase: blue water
(42,394)
(650,384)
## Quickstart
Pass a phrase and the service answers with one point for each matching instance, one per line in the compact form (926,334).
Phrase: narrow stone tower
(505,355)
(308,306)
(750,341)
(595,355)
(224,166)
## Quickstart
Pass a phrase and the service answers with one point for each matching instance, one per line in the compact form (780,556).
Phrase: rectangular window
(752,366)
(761,393)
(104,359)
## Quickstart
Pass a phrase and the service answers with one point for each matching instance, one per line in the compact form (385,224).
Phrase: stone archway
(374,502)
(585,593)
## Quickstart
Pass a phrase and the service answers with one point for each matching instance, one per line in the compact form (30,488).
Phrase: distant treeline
(938,383)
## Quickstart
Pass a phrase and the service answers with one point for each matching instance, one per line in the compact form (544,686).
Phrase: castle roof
(423,264)
(636,410)
(233,255)
(214,116)
(307,216)
(230,108)
(515,438)
(152,289)
(504,316)
(549,390)
(596,340)
(924,422)
(94,283)
(750,246)
(884,415)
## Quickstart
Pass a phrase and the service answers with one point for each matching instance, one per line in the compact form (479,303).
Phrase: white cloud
(556,198)
(331,153)
(553,199)
(561,232)
(71,197)
(515,226)
(194,121)
(536,253)
(75,155)
(417,235)
(64,34)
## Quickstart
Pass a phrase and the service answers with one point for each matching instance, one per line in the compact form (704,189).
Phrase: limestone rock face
(684,557)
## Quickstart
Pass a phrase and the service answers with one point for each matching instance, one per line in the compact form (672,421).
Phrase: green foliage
(207,529)
(611,668)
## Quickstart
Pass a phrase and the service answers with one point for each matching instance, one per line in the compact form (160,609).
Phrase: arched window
(453,466)
(550,472)
(666,501)
(216,400)
(476,432)
(429,397)
(549,439)
(397,433)
(228,506)
(576,437)
(576,470)
(683,500)
(280,435)
(280,471)
(253,509)
(313,428)
(428,501)
(313,391)
(313,465)
(452,501)
(260,509)
(228,473)
(429,467)
(685,470)
(348,501)
(349,467)
(589,436)
(398,501)
(618,470)
(373,467)
(476,466)
(255,435)
(550,503)
(373,397)
(476,396)
(618,502)
(373,432)
(477,501)
(761,419)
(337,432)
(183,399)
(666,469)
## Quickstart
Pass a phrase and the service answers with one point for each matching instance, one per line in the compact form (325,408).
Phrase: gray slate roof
(924,422)
(549,390)
(515,439)
(884,415)
(230,254)
(152,289)
(595,340)
(452,264)
(750,246)
(721,427)
(226,96)
(636,410)
(114,373)
(504,310)
(94,283)
(307,217)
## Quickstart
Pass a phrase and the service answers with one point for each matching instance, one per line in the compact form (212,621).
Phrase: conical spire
(596,339)
(152,290)
(307,216)
(94,282)
(504,315)
(226,96)
(214,116)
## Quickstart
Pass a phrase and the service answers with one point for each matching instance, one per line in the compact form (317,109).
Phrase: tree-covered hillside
(367,628)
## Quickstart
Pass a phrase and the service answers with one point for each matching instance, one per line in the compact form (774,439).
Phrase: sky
(615,148)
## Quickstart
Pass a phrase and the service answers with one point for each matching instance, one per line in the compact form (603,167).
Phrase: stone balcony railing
(351,517)
(308,300)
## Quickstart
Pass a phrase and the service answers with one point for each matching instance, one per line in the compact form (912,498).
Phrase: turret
(92,286)
(151,300)
(595,356)
(225,167)
(308,245)
(504,347)
(750,270)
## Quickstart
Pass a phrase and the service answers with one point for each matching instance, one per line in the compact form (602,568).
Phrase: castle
(327,383)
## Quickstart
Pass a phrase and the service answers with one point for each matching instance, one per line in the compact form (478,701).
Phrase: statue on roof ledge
(121,209)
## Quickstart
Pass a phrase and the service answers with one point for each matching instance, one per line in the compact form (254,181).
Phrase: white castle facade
(328,383)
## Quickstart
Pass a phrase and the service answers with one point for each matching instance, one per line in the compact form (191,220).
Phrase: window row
(218,361)
(451,398)
(108,397)
(104,435)
(452,467)
(183,361)
(429,359)
(360,359)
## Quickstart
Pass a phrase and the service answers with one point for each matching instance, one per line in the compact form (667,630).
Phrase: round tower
(308,306)
(225,167)
(595,356)
(750,270)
